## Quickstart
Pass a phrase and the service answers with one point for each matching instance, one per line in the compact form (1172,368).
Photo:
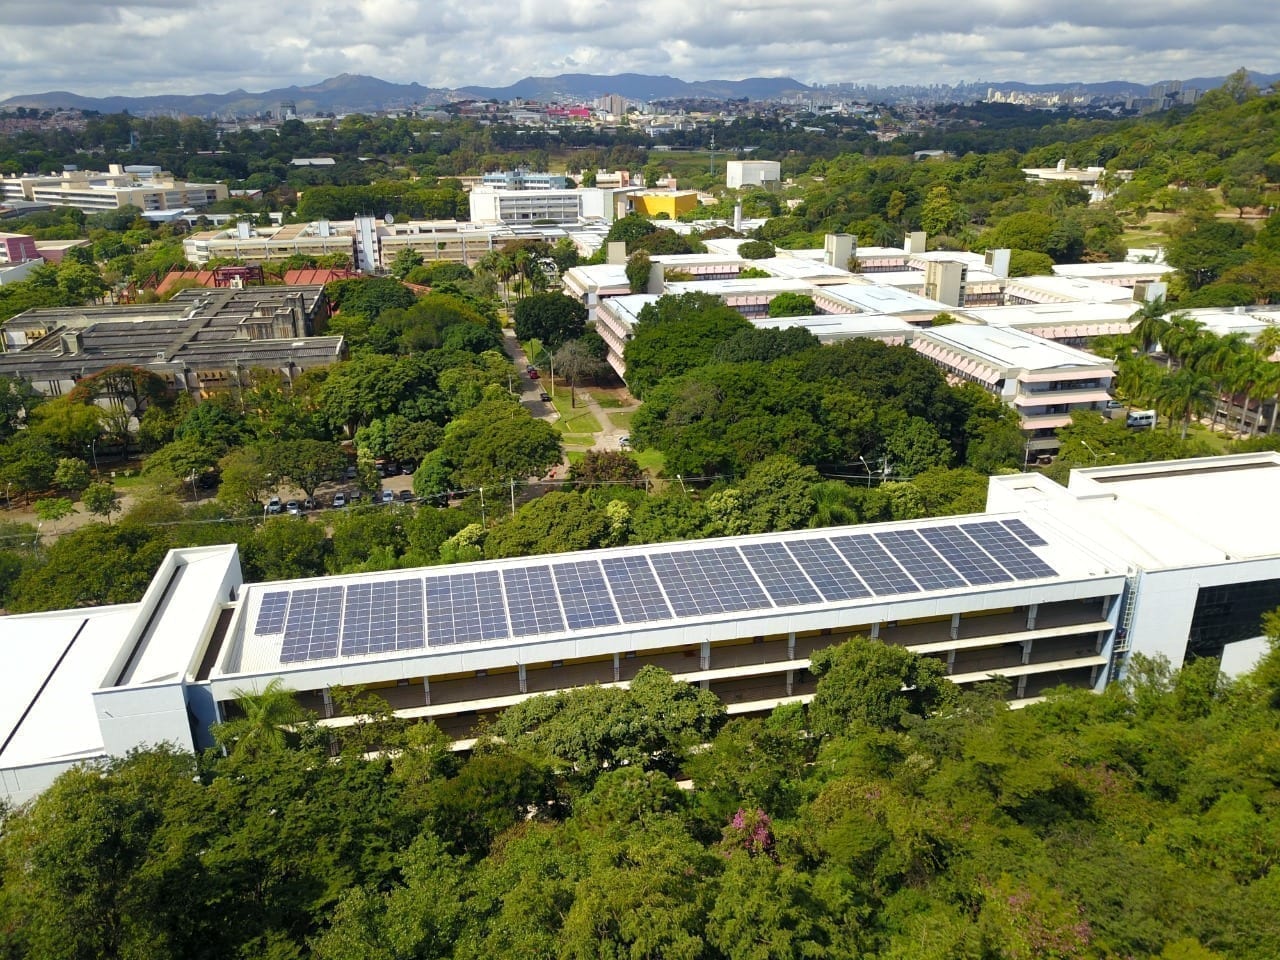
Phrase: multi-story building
(17,248)
(245,241)
(1051,586)
(1042,380)
(523,179)
(751,173)
(200,342)
(147,187)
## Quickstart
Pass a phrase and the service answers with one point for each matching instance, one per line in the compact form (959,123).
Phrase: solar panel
(715,580)
(969,560)
(635,589)
(531,601)
(881,573)
(382,616)
(465,608)
(313,624)
(1008,551)
(781,575)
(1025,533)
(271,613)
(920,560)
(825,568)
(585,597)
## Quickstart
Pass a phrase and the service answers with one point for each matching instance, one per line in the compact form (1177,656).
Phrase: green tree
(639,268)
(49,509)
(792,305)
(101,500)
(676,334)
(71,475)
(552,318)
(285,548)
(404,262)
(877,684)
(262,716)
(939,213)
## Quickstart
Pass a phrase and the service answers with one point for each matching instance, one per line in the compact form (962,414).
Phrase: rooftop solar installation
(920,560)
(781,576)
(383,616)
(1008,551)
(311,628)
(831,575)
(715,580)
(585,597)
(874,565)
(271,613)
(465,608)
(1024,533)
(531,601)
(636,590)
(969,560)
(541,597)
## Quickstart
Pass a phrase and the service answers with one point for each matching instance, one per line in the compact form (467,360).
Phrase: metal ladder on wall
(1121,644)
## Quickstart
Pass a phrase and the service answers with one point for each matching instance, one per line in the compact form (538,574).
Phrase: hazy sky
(183,46)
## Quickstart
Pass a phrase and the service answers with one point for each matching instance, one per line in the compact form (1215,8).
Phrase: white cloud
(180,46)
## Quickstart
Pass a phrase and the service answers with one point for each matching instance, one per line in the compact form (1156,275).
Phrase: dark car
(308,504)
(406,496)
(544,397)
(533,374)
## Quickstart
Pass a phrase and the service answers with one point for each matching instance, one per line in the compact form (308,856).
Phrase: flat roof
(247,654)
(1070,288)
(1009,348)
(875,298)
(1116,269)
(750,286)
(843,326)
(53,662)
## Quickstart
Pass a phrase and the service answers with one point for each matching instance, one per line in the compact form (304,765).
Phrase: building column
(704,661)
(791,679)
(791,647)
(328,702)
(875,630)
(951,662)
(426,691)
(1021,690)
(1032,611)
(955,626)
(524,682)
(617,667)
(1026,651)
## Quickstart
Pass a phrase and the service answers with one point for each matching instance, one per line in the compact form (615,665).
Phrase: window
(1229,613)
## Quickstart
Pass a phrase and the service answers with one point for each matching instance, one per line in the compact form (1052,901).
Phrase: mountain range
(352,93)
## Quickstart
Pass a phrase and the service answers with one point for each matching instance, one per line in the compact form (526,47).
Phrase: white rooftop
(1067,288)
(752,286)
(1009,349)
(1114,270)
(51,663)
(830,327)
(874,298)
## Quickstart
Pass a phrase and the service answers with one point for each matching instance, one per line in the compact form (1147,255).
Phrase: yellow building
(651,203)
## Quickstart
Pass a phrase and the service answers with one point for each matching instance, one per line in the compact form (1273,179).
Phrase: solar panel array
(407,613)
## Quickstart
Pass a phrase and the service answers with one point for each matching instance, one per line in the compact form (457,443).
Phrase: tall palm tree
(260,727)
(1181,339)
(1185,394)
(1149,323)
(1138,379)
(1220,358)
(1267,343)
(1248,372)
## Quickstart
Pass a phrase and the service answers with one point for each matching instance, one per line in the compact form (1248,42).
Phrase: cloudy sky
(97,48)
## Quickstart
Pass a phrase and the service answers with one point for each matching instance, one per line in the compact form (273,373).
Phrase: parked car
(273,505)
(533,374)
(406,496)
(544,397)
(293,508)
(624,441)
(308,504)
(355,496)
(339,500)
(407,468)
(350,472)
(388,496)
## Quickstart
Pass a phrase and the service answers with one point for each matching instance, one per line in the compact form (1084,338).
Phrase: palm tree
(1248,372)
(1267,343)
(1219,358)
(1185,394)
(1149,324)
(260,728)
(1181,339)
(1138,379)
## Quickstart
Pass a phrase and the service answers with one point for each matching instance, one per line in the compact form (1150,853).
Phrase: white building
(1050,586)
(751,173)
(146,187)
(1043,381)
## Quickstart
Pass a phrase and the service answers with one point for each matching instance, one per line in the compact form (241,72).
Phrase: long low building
(1051,586)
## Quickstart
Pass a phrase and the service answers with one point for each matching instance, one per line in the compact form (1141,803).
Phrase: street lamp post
(93,449)
(1085,444)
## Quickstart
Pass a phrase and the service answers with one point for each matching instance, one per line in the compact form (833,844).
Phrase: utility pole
(513,496)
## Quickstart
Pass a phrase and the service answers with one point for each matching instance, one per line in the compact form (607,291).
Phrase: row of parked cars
(343,499)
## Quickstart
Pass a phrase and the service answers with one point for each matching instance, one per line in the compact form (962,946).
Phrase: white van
(1140,419)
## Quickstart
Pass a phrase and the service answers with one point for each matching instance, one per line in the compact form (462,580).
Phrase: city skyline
(180,47)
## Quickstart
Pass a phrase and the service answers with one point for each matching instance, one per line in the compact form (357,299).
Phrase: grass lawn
(622,420)
(650,460)
(575,456)
(1220,442)
(608,401)
(573,419)
(578,439)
